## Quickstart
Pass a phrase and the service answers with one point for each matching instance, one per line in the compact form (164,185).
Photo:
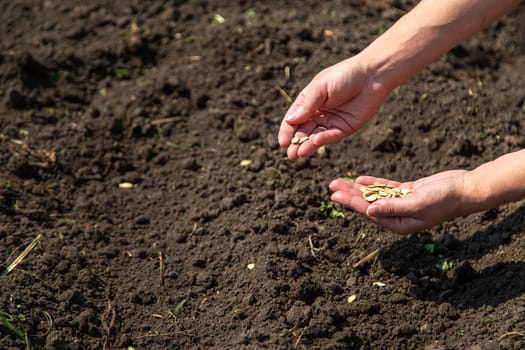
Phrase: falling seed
(351,298)
(246,162)
(126,185)
(250,266)
(303,139)
(295,140)
(379,284)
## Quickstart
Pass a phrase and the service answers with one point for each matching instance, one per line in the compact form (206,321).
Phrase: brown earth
(171,97)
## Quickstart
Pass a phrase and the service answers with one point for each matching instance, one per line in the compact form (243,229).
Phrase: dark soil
(164,96)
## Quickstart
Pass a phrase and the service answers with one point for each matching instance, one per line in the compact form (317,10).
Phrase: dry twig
(367,258)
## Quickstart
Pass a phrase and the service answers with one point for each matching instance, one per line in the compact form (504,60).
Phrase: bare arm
(342,98)
(494,183)
(426,33)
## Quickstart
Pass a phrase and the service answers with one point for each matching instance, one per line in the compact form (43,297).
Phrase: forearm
(426,33)
(494,183)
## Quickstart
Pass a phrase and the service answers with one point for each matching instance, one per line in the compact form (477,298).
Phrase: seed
(303,139)
(351,298)
(126,185)
(295,140)
(377,191)
(372,198)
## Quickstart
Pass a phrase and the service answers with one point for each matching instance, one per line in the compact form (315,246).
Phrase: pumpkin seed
(376,191)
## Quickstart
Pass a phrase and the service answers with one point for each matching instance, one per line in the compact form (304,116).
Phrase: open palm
(337,102)
(434,199)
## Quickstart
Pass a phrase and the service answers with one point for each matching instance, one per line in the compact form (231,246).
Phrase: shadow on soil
(439,270)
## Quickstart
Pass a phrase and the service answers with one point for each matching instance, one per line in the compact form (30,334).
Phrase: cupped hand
(337,102)
(433,200)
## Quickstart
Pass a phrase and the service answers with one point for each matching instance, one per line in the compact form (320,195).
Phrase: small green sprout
(68,221)
(346,178)
(122,73)
(9,323)
(332,211)
(103,92)
(430,247)
(299,59)
(58,234)
(174,145)
(423,97)
(445,265)
(461,332)
(178,307)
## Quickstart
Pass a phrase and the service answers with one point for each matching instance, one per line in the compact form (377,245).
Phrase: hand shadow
(439,270)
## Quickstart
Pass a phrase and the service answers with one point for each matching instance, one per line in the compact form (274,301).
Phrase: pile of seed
(377,190)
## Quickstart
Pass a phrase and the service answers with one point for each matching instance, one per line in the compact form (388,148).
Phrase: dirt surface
(205,251)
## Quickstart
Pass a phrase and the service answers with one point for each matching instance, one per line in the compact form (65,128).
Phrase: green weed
(11,325)
(332,211)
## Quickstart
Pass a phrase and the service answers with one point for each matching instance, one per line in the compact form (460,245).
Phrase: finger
(303,149)
(351,200)
(348,194)
(369,180)
(325,137)
(400,225)
(307,103)
(286,132)
(343,185)
(392,207)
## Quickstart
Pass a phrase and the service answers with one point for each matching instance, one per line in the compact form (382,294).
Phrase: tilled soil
(218,241)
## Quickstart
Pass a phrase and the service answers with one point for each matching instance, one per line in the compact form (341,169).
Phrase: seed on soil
(246,162)
(126,185)
(295,140)
(379,284)
(250,266)
(376,191)
(351,298)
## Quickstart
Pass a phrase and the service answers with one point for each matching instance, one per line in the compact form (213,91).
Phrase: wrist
(474,196)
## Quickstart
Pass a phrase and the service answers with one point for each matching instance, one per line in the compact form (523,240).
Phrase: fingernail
(373,209)
(291,116)
(294,114)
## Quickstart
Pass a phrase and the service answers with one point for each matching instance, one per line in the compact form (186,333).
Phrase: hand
(337,102)
(433,200)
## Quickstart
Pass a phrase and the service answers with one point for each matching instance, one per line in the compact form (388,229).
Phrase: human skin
(439,197)
(344,97)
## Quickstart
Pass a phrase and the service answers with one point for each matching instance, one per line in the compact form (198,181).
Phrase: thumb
(390,207)
(307,103)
